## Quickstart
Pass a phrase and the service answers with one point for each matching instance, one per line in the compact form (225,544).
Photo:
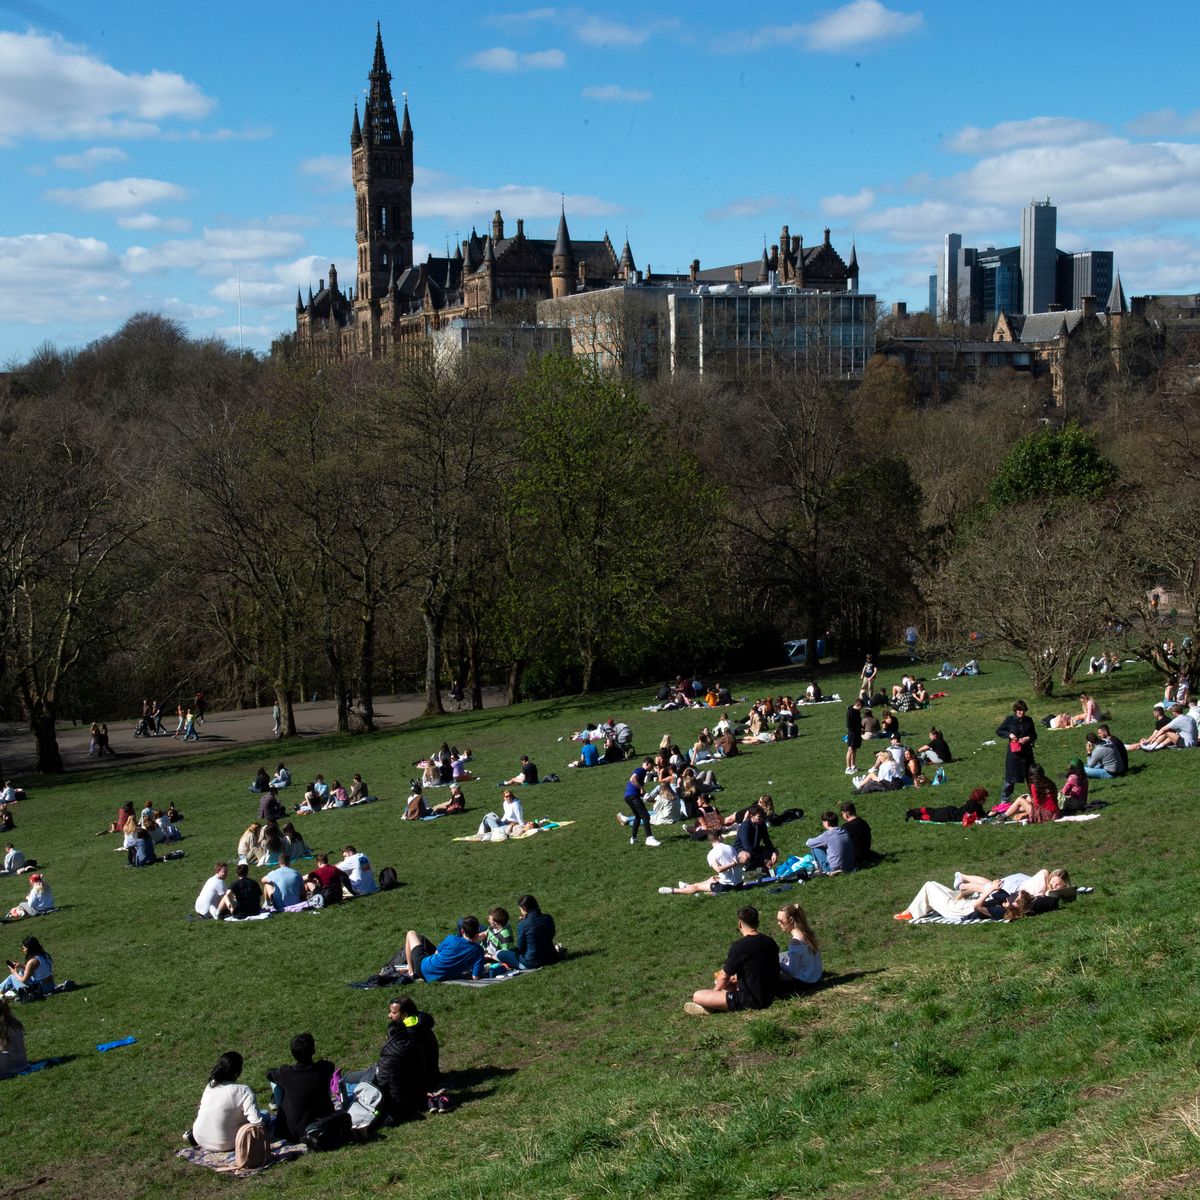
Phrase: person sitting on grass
(244,897)
(1039,804)
(749,978)
(887,775)
(832,848)
(589,756)
(283,887)
(458,956)
(459,771)
(225,1106)
(270,807)
(859,833)
(294,844)
(7,822)
(262,780)
(415,807)
(536,946)
(1073,797)
(500,943)
(141,853)
(708,820)
(401,1070)
(527,775)
(1179,732)
(512,818)
(40,899)
(1107,756)
(800,964)
(357,869)
(301,1089)
(15,862)
(209,901)
(123,814)
(34,975)
(420,1028)
(282,777)
(753,845)
(935,751)
(325,880)
(727,871)
(13,1058)
(456,804)
(358,793)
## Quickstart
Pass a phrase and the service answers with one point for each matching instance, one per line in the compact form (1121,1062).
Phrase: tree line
(182,516)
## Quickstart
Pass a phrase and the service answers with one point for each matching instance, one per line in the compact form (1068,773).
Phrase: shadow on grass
(829,980)
(471,1084)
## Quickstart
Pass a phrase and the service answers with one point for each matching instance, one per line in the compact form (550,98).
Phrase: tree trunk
(342,699)
(433,622)
(476,683)
(49,758)
(589,669)
(366,667)
(512,685)
(283,697)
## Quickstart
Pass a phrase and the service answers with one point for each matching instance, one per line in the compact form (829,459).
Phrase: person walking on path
(277,717)
(200,703)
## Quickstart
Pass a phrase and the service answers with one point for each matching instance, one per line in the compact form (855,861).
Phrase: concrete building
(947,278)
(1039,266)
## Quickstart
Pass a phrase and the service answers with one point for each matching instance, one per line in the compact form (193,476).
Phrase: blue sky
(152,162)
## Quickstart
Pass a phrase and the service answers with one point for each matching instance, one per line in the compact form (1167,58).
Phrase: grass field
(1052,1057)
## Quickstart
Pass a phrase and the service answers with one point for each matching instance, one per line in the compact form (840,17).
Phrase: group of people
(308,1090)
(1007,898)
(473,951)
(284,888)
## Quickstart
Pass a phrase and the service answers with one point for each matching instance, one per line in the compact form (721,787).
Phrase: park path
(220,731)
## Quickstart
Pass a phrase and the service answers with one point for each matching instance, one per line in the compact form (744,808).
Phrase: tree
(1053,462)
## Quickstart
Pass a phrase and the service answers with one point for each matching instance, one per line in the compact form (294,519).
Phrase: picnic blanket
(379,981)
(222,1160)
(545,825)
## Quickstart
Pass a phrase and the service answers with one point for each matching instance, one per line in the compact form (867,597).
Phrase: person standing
(179,721)
(1021,733)
(635,790)
(277,718)
(910,640)
(854,731)
(200,703)
(189,727)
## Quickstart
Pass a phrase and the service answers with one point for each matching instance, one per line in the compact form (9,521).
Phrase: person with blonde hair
(801,961)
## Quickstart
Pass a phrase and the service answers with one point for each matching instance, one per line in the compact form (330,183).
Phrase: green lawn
(1051,1057)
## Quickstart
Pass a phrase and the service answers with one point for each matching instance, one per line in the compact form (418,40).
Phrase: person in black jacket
(753,844)
(1020,733)
(302,1090)
(536,946)
(401,1072)
(420,1026)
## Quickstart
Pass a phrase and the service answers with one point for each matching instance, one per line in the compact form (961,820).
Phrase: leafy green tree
(1052,463)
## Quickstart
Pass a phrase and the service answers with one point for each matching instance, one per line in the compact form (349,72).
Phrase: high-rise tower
(381,152)
(1039,258)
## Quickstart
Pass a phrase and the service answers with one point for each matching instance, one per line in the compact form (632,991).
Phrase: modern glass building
(1039,256)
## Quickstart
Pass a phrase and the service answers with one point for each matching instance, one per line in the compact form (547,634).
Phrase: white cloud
(213,253)
(1166,122)
(47,276)
(744,206)
(115,194)
(519,200)
(1036,131)
(502,59)
(91,158)
(529,16)
(858,23)
(595,31)
(52,90)
(254,294)
(330,170)
(151,221)
(930,220)
(614,92)
(848,206)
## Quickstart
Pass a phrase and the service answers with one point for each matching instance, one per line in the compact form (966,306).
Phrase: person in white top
(225,1106)
(212,891)
(512,817)
(722,858)
(357,867)
(14,859)
(801,961)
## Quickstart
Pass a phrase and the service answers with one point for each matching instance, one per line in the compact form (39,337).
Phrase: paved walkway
(220,731)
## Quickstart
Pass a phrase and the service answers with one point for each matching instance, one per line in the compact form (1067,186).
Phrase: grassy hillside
(1053,1056)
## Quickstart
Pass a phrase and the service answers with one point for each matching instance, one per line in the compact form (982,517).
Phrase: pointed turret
(299,301)
(852,269)
(800,263)
(562,262)
(627,266)
(764,267)
(406,124)
(380,63)
(489,255)
(355,129)
(379,114)
(1116,298)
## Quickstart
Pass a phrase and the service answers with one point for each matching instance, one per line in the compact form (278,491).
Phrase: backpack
(363,1109)
(388,879)
(328,1133)
(251,1149)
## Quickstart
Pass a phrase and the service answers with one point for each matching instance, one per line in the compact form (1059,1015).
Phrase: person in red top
(1041,803)
(325,879)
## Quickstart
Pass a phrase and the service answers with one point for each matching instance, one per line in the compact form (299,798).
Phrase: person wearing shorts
(750,977)
(854,735)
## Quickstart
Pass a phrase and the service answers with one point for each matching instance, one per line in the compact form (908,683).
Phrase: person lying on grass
(993,900)
(727,871)
(458,956)
(1040,883)
(749,978)
(974,808)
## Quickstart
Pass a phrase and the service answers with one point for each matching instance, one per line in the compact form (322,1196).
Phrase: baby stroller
(142,728)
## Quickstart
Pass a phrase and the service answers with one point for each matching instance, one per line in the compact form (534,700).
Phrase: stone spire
(627,264)
(1116,298)
(852,269)
(562,262)
(355,129)
(299,301)
(764,267)
(381,127)
(562,242)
